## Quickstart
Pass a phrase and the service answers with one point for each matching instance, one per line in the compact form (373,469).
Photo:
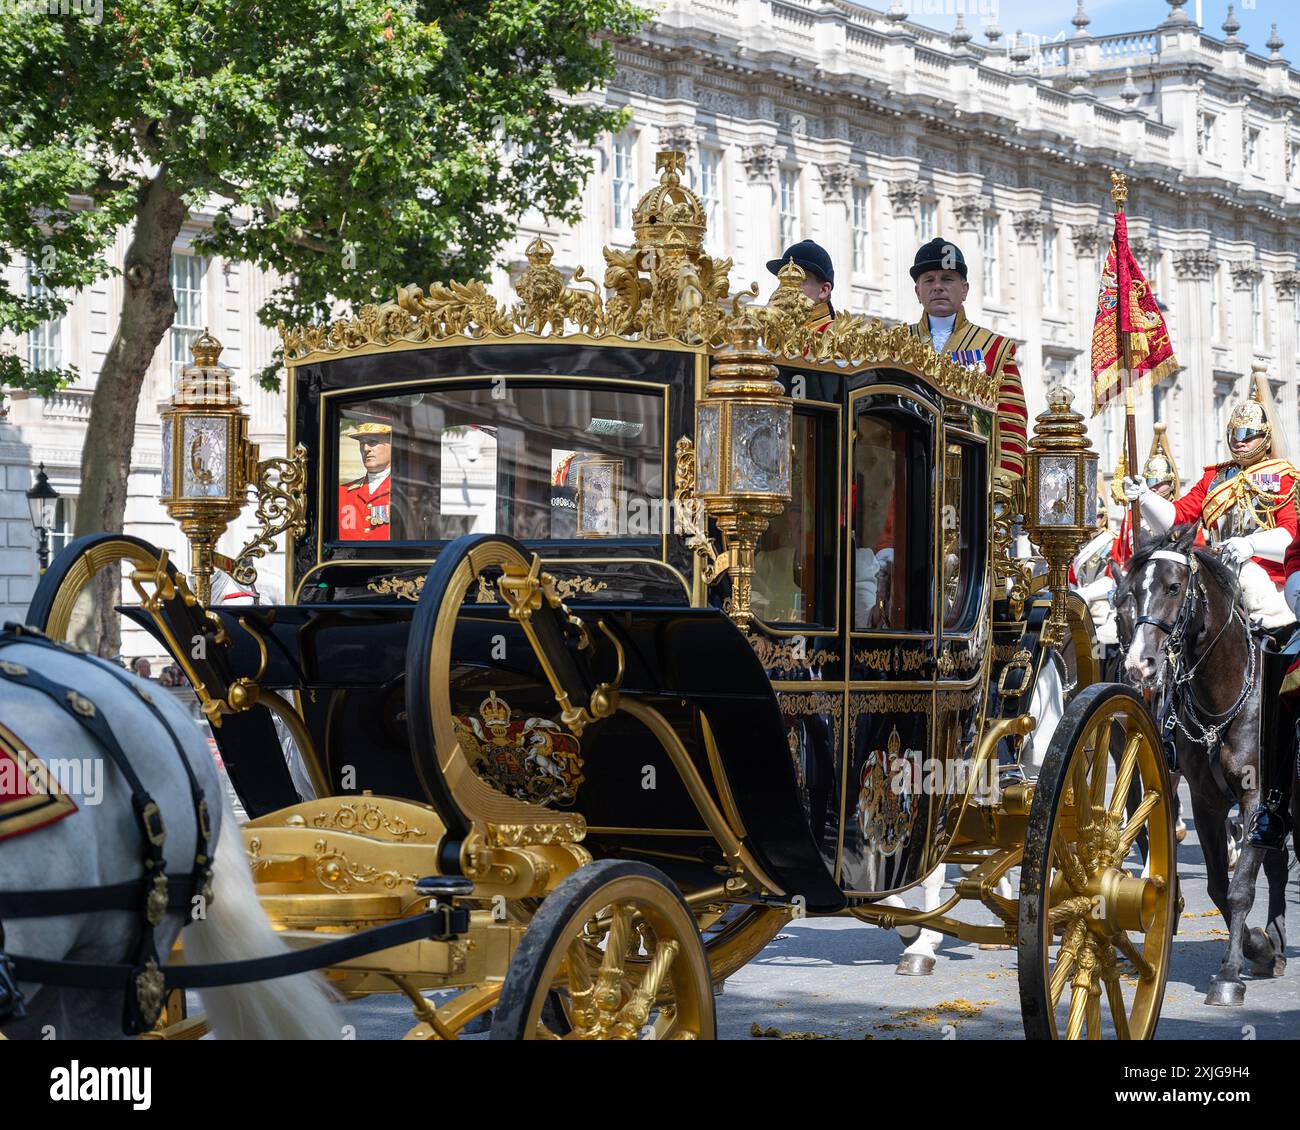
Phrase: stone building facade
(871,134)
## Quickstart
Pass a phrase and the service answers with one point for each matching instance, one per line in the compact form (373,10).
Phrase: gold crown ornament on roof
(670,218)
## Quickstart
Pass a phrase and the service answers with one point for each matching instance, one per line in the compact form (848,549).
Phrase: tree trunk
(148,309)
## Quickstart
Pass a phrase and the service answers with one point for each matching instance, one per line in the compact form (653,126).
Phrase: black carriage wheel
(635,910)
(1094,933)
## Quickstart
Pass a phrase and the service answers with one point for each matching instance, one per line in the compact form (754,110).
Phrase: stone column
(969,209)
(1029,275)
(761,163)
(1194,436)
(1287,283)
(1245,274)
(1091,242)
(904,195)
(837,204)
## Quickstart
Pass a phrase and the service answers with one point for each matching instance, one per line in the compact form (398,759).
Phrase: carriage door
(963,621)
(891,520)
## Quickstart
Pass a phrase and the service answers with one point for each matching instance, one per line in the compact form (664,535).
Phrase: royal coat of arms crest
(885,798)
(530,759)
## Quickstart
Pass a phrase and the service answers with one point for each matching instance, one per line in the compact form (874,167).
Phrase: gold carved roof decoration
(663,288)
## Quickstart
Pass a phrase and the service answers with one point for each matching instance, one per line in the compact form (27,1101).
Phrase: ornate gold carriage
(677,618)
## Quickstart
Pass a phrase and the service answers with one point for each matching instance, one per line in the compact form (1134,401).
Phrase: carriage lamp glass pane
(1090,496)
(760,448)
(167,458)
(599,487)
(789,557)
(1056,490)
(203,458)
(707,463)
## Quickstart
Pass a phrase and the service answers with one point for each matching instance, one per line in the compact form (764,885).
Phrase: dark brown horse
(1188,640)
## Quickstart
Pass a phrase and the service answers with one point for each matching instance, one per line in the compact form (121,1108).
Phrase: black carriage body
(821,732)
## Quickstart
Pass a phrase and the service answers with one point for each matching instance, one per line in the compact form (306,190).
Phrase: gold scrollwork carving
(664,287)
(410,588)
(911,660)
(800,703)
(336,871)
(790,655)
(404,588)
(281,505)
(365,817)
(875,658)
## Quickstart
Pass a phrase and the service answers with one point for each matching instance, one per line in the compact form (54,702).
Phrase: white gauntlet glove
(1238,550)
(1134,489)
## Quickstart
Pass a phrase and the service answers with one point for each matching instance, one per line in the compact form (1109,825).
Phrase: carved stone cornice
(837,180)
(761,160)
(1146,248)
(1287,283)
(968,209)
(1199,263)
(1090,239)
(1028,225)
(1246,274)
(904,195)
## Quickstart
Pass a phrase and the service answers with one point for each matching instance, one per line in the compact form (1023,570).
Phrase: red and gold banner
(1151,352)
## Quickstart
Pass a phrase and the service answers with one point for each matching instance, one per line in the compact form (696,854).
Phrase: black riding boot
(1277,753)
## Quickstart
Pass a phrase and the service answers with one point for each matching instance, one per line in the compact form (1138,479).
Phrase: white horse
(101,844)
(1047,704)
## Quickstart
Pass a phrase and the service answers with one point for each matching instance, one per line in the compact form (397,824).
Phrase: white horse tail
(235,929)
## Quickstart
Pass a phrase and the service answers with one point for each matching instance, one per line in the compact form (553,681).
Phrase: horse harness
(155,894)
(1179,698)
(143,981)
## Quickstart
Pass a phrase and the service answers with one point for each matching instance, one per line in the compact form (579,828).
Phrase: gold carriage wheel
(83,571)
(560,986)
(1094,933)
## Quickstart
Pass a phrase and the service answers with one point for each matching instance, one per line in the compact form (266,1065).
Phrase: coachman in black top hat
(819,278)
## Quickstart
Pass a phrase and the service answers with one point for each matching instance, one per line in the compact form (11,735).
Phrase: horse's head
(1149,600)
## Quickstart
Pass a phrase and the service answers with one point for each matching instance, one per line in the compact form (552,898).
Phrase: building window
(1252,150)
(1208,136)
(1051,299)
(929,219)
(624,180)
(65,519)
(711,186)
(1293,163)
(862,227)
(789,206)
(1257,313)
(44,342)
(188,272)
(990,254)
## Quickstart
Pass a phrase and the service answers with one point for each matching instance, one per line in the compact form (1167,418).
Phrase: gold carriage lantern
(208,464)
(1061,488)
(742,455)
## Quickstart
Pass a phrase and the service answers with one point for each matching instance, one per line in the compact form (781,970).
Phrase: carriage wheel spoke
(610,980)
(1100,764)
(1066,959)
(1078,1010)
(1070,908)
(633,1015)
(1093,1012)
(1124,777)
(1144,968)
(582,989)
(1083,1000)
(1070,866)
(1080,790)
(1135,824)
(1115,997)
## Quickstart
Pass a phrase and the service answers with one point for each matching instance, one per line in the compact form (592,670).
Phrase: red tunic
(364,516)
(1208,506)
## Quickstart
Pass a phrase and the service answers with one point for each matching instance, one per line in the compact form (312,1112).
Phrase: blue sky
(1048,17)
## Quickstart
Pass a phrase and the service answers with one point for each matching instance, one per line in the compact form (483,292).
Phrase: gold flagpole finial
(1119,189)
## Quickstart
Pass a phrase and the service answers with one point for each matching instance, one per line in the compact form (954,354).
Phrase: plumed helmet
(1251,425)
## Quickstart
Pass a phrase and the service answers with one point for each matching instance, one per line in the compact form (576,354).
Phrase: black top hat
(812,257)
(938,255)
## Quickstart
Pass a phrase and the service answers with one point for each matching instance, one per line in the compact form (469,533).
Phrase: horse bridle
(1180,697)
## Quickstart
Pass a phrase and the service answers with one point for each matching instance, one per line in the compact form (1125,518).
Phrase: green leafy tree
(350,145)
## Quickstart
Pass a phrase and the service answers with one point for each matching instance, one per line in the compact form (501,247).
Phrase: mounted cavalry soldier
(939,272)
(1246,504)
(818,281)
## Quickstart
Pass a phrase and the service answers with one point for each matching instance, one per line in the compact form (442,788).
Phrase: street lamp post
(41,499)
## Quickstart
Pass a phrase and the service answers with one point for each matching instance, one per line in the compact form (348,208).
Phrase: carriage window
(532,462)
(961,525)
(891,523)
(785,565)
